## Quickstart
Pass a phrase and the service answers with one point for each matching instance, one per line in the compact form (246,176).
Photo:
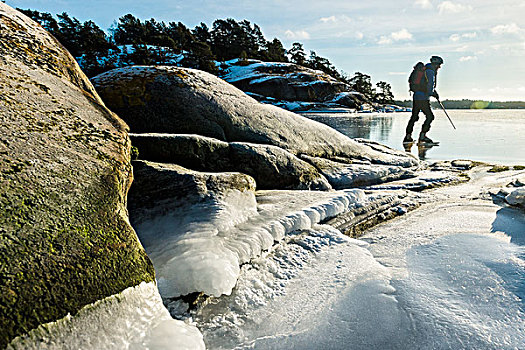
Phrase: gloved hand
(435,94)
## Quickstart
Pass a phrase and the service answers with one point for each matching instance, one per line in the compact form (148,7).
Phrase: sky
(482,42)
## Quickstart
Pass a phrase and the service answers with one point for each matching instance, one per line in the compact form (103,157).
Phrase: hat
(436,60)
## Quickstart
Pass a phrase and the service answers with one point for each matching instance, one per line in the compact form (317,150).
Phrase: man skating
(423,83)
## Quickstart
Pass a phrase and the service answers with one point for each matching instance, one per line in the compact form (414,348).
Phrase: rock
(65,240)
(462,163)
(270,166)
(350,99)
(169,186)
(179,100)
(282,81)
(518,182)
(516,197)
(342,175)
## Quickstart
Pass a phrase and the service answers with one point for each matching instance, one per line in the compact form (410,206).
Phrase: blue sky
(482,41)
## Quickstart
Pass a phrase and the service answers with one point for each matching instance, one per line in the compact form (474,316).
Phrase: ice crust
(133,319)
(275,295)
(200,248)
(447,276)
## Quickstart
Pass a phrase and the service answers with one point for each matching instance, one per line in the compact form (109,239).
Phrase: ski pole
(444,110)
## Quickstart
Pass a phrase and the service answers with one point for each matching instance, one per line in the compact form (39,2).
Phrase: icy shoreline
(304,264)
(318,285)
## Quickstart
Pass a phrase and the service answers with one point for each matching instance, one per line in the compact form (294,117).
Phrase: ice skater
(423,83)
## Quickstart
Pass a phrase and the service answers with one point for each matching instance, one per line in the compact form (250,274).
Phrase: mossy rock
(498,168)
(65,238)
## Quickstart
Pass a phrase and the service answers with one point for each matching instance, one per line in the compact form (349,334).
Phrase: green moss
(518,167)
(466,176)
(498,168)
(61,258)
(134,153)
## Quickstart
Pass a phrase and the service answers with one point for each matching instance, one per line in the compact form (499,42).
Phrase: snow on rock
(343,175)
(133,319)
(179,100)
(289,82)
(199,245)
(423,180)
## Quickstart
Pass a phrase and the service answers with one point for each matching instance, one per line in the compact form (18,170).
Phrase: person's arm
(431,76)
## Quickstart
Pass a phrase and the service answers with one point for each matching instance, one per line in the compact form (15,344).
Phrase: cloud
(383,40)
(512,28)
(455,37)
(451,7)
(467,58)
(297,35)
(403,34)
(359,35)
(336,19)
(397,73)
(458,37)
(424,4)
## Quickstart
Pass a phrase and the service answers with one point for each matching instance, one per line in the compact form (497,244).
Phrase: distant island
(471,104)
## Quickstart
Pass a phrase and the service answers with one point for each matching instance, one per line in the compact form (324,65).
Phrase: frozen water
(278,298)
(200,248)
(448,276)
(488,135)
(133,319)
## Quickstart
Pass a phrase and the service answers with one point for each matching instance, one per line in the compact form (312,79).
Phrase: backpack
(418,79)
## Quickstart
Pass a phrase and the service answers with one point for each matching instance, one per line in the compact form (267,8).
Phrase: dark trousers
(423,106)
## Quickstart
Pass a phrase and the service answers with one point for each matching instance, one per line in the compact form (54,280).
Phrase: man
(421,102)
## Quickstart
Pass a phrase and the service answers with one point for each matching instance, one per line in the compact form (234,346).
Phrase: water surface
(494,136)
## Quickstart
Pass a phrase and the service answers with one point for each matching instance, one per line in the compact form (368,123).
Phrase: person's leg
(416,107)
(428,121)
(429,116)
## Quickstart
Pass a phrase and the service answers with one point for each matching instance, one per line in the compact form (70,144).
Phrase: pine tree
(360,82)
(297,54)
(129,30)
(385,92)
(275,51)
(202,33)
(322,64)
(180,35)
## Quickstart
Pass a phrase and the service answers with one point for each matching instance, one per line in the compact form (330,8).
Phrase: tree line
(154,42)
(470,104)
